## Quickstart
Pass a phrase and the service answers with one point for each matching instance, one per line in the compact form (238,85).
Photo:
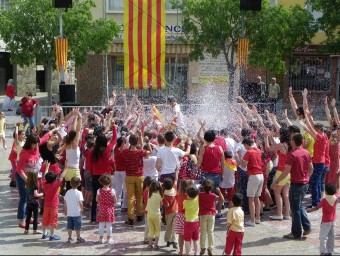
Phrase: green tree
(329,21)
(29,29)
(214,26)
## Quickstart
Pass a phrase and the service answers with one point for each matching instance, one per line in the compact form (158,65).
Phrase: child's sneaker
(129,222)
(110,241)
(218,215)
(100,241)
(249,224)
(54,237)
(44,236)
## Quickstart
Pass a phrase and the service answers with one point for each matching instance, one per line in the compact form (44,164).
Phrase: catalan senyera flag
(61,47)
(231,164)
(242,53)
(144,44)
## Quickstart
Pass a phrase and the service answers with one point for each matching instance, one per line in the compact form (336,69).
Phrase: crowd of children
(158,172)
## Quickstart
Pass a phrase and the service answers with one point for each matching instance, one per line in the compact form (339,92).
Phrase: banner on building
(61,47)
(144,44)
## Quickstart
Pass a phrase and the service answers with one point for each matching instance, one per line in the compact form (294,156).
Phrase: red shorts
(228,193)
(191,231)
(50,216)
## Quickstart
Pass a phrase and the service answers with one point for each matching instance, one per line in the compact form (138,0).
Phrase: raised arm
(78,128)
(285,115)
(328,112)
(308,126)
(304,99)
(292,101)
(335,112)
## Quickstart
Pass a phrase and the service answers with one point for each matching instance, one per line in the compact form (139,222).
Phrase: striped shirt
(134,162)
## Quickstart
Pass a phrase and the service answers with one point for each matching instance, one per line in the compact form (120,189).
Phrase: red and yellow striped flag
(61,46)
(242,54)
(144,44)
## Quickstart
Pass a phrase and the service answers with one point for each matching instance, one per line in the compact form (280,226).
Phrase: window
(118,5)
(4,4)
(311,72)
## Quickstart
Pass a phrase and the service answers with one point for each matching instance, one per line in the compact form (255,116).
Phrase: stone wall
(90,81)
(25,79)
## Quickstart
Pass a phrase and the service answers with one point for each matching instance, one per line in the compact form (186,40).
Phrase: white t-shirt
(72,198)
(179,116)
(170,159)
(113,192)
(228,178)
(231,144)
(240,147)
(150,167)
(156,150)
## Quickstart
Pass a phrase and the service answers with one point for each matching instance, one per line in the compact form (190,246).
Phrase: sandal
(80,240)
(26,232)
(70,240)
(150,246)
(37,232)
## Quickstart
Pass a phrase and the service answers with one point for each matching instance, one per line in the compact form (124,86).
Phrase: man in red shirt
(28,106)
(253,161)
(319,158)
(299,165)
(133,159)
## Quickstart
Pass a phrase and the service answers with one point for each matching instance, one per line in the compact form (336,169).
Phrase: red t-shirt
(145,199)
(88,160)
(120,163)
(253,157)
(27,106)
(212,160)
(327,159)
(320,149)
(180,199)
(207,203)
(51,191)
(134,162)
(219,141)
(299,160)
(328,211)
(170,202)
(10,91)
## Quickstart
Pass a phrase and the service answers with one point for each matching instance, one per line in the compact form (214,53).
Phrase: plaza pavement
(264,239)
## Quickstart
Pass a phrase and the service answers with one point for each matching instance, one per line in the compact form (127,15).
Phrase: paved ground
(264,239)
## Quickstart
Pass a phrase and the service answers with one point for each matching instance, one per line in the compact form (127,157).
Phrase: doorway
(6,71)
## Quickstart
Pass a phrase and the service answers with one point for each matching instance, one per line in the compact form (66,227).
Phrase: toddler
(106,198)
(50,216)
(228,182)
(32,201)
(235,227)
(192,224)
(328,205)
(180,217)
(170,211)
(146,187)
(3,129)
(154,214)
(207,210)
(73,205)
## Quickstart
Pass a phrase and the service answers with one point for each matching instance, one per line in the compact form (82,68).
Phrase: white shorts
(254,186)
(2,135)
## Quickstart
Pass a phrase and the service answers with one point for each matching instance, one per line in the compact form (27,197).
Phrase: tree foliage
(29,29)
(214,26)
(329,21)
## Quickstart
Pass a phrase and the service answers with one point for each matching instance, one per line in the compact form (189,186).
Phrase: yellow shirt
(191,209)
(235,217)
(310,148)
(154,204)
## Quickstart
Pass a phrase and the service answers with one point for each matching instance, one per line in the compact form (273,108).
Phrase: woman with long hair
(28,161)
(101,163)
(281,191)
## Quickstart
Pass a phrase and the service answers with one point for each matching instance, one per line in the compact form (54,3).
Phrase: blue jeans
(22,197)
(74,223)
(30,118)
(297,193)
(216,178)
(323,178)
(316,183)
